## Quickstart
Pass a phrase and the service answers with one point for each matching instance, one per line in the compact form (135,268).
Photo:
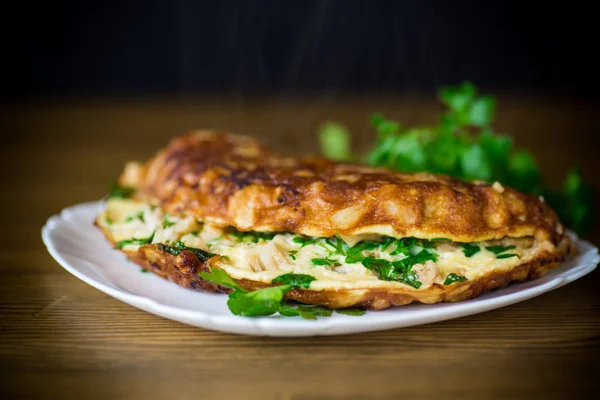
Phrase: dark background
(69,49)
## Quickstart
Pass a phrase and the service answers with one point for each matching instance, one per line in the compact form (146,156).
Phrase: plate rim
(335,325)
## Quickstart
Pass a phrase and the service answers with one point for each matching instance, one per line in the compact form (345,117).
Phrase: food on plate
(222,212)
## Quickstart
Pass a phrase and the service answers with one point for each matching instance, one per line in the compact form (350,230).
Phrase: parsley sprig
(120,192)
(400,271)
(305,240)
(251,236)
(415,251)
(139,215)
(179,247)
(323,261)
(166,223)
(470,249)
(135,241)
(464,145)
(262,302)
(269,301)
(453,278)
(501,256)
(499,249)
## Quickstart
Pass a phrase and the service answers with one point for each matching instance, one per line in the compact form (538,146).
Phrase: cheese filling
(336,263)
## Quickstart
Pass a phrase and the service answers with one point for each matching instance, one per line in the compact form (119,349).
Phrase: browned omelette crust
(184,268)
(232,180)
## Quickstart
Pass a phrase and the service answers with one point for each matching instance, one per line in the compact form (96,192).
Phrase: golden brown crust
(183,269)
(231,180)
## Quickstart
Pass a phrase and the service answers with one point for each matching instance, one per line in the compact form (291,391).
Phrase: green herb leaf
(481,111)
(453,278)
(307,315)
(338,244)
(422,257)
(500,256)
(269,301)
(179,247)
(356,312)
(499,249)
(408,152)
(304,240)
(120,192)
(323,261)
(316,311)
(262,302)
(383,268)
(354,254)
(135,241)
(301,281)
(288,311)
(470,249)
(144,270)
(212,241)
(410,278)
(426,244)
(252,236)
(324,243)
(139,215)
(399,270)
(335,141)
(475,164)
(386,243)
(292,254)
(574,203)
(458,98)
(166,223)
(304,311)
(385,127)
(220,277)
(523,173)
(403,246)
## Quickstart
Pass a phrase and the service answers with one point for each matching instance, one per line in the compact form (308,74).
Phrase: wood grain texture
(60,338)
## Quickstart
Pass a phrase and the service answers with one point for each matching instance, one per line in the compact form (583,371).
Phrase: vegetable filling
(371,260)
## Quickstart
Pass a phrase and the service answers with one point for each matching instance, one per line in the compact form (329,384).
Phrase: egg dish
(369,237)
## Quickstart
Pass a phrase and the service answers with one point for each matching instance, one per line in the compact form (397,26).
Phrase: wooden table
(60,338)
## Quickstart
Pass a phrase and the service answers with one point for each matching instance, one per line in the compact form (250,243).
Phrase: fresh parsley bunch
(463,145)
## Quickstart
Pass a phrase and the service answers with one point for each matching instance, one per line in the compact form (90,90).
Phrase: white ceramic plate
(83,251)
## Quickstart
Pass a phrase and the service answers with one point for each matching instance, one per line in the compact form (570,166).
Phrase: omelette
(370,237)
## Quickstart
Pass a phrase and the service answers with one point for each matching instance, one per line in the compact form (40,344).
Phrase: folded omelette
(370,237)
